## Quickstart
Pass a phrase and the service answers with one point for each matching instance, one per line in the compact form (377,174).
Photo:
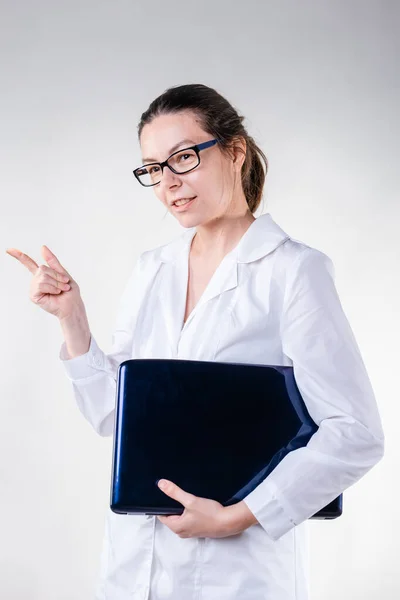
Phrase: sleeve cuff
(266,505)
(85,365)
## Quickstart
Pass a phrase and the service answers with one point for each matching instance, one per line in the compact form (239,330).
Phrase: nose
(169,178)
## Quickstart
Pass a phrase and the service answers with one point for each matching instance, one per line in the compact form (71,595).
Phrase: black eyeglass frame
(197,148)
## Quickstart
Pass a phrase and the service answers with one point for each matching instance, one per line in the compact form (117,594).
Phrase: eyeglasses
(179,162)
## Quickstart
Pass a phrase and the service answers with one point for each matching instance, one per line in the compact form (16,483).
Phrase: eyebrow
(171,150)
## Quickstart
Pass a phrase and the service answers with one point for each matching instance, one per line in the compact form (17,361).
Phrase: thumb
(174,491)
(53,261)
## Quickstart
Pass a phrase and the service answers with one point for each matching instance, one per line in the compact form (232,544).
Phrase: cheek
(162,194)
(158,193)
(207,185)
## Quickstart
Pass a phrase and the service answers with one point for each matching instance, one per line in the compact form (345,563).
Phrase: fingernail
(162,484)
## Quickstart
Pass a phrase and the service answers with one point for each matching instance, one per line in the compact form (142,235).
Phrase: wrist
(76,317)
(237,518)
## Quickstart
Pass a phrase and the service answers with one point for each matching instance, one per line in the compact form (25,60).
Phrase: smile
(183,204)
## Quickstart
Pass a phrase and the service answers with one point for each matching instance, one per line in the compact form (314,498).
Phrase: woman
(230,288)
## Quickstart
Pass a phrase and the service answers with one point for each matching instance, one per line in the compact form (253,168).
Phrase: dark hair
(221,120)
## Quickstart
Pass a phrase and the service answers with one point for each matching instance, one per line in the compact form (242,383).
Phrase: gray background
(318,83)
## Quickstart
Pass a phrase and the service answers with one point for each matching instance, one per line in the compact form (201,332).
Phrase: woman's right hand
(51,287)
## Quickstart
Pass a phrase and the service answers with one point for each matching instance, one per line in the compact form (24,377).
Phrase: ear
(238,152)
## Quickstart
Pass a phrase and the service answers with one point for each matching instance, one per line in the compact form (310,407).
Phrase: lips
(173,202)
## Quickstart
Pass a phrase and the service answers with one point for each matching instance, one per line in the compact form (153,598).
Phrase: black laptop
(216,429)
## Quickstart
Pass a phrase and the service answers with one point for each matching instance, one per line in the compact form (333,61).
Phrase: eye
(152,170)
(185,154)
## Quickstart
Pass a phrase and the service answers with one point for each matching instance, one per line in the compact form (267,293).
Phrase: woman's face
(211,183)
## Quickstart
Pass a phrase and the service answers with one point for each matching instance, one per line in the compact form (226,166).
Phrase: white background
(318,83)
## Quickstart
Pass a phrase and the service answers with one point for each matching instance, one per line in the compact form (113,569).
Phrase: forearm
(76,332)
(93,373)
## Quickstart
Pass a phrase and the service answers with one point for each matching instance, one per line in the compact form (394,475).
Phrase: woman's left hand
(203,517)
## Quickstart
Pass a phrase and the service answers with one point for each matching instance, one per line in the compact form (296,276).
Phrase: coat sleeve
(94,374)
(332,379)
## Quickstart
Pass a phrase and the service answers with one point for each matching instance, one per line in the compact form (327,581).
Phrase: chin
(187,222)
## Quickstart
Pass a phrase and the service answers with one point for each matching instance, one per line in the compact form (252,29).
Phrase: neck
(220,235)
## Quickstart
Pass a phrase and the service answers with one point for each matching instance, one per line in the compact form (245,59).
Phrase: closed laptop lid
(215,429)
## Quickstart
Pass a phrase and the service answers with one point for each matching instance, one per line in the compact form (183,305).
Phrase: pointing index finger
(23,258)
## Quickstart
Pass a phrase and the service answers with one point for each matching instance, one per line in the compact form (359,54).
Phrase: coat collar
(262,237)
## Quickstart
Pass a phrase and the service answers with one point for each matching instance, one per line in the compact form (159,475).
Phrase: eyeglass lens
(180,161)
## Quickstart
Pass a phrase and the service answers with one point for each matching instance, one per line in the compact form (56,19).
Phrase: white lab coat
(272,300)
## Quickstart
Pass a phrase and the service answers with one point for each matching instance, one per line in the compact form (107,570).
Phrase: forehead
(166,131)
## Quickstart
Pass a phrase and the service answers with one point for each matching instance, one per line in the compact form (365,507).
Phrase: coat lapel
(174,272)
